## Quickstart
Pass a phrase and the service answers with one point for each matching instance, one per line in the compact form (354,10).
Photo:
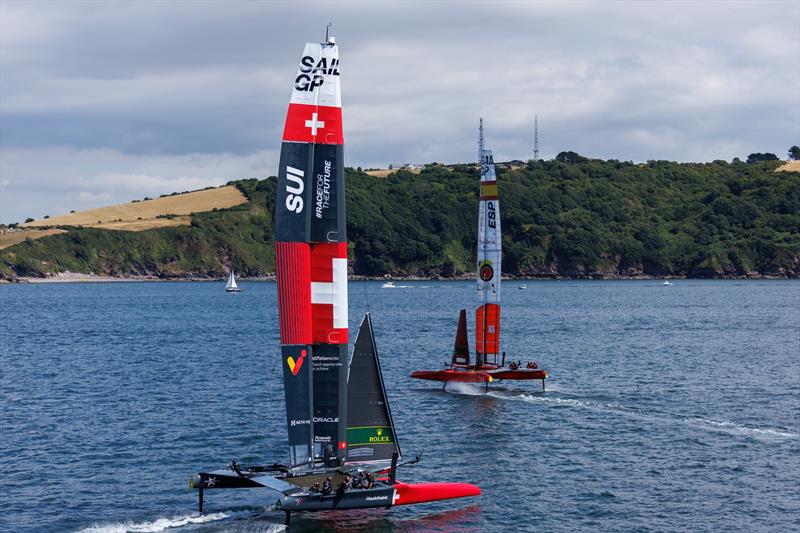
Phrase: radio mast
(535,137)
(480,142)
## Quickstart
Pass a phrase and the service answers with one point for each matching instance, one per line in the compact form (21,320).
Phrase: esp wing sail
(487,315)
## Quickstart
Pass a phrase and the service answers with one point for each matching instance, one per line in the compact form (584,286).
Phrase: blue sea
(669,408)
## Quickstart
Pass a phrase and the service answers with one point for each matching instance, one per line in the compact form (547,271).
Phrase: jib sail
(487,316)
(370,431)
(311,261)
(461,347)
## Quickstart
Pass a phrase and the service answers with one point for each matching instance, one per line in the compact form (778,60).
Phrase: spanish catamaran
(338,418)
(488,364)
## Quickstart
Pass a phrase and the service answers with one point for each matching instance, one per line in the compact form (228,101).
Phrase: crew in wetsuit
(342,488)
(356,481)
(368,481)
(327,487)
(315,487)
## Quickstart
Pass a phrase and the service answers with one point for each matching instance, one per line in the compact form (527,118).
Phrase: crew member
(357,480)
(327,486)
(368,481)
(315,487)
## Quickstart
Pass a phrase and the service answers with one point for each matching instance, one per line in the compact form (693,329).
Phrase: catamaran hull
(480,376)
(460,376)
(385,496)
(290,497)
(519,374)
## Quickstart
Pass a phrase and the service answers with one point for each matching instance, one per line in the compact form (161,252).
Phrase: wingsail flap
(461,347)
(370,431)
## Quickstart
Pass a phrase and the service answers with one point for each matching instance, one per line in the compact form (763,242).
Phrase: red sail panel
(313,124)
(329,293)
(487,328)
(292,268)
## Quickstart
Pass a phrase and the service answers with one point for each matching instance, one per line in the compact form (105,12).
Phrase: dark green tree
(570,157)
(794,153)
(759,157)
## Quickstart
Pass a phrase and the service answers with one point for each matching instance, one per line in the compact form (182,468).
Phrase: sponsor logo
(294,186)
(323,189)
(377,498)
(485,270)
(311,74)
(304,421)
(380,438)
(491,215)
(295,366)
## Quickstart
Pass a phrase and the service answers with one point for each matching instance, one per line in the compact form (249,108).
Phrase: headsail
(370,431)
(487,316)
(461,347)
(231,282)
(311,261)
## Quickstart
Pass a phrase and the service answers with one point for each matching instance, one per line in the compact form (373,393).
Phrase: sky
(105,102)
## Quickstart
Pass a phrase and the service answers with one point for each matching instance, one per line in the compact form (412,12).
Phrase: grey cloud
(151,81)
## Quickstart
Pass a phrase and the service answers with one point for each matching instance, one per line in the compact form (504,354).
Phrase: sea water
(668,407)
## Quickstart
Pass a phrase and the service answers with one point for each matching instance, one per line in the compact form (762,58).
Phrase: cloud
(81,179)
(150,90)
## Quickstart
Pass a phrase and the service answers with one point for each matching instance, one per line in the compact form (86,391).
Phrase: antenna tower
(480,141)
(536,137)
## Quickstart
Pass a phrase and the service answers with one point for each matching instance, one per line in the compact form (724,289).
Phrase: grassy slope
(141,215)
(599,218)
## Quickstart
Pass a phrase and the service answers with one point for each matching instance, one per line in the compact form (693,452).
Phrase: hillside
(149,213)
(589,219)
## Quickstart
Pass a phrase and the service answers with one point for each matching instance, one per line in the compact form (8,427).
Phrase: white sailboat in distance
(232,286)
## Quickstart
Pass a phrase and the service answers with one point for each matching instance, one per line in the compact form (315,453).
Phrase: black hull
(378,496)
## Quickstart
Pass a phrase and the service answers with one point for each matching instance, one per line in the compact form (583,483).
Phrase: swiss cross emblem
(315,124)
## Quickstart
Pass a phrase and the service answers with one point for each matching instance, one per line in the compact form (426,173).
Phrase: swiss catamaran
(231,286)
(339,423)
(488,365)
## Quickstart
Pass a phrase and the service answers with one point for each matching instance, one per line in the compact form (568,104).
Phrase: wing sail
(311,261)
(487,316)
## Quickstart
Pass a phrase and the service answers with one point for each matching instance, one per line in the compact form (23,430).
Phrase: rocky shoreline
(77,277)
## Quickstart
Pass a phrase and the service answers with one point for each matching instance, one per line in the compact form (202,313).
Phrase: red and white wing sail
(487,316)
(311,261)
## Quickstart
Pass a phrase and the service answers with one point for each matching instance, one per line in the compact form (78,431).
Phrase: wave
(739,429)
(159,524)
(470,389)
(697,422)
